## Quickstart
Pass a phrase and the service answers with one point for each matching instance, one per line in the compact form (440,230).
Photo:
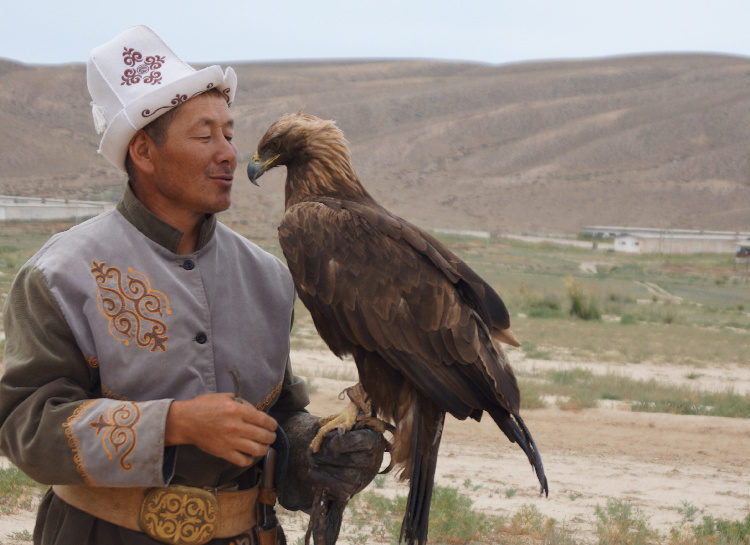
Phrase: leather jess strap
(179,515)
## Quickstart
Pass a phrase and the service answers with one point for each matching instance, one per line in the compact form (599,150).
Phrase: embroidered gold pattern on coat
(117,430)
(75,444)
(134,309)
(93,361)
(270,398)
(106,392)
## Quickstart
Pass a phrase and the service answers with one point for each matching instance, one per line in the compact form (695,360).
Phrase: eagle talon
(374,423)
(343,422)
(357,415)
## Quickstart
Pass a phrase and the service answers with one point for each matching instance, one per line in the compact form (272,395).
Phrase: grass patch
(677,343)
(533,352)
(683,401)
(621,523)
(374,518)
(453,521)
(578,388)
(540,306)
(628,319)
(722,531)
(528,276)
(570,377)
(17,490)
(708,530)
(23,535)
(452,517)
(531,394)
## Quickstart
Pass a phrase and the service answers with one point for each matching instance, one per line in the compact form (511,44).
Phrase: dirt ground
(655,461)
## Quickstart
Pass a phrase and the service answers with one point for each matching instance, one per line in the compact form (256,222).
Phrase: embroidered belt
(179,515)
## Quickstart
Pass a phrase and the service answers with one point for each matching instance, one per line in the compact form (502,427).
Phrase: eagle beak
(506,336)
(256,167)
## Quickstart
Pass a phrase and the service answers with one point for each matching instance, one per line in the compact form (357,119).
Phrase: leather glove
(344,465)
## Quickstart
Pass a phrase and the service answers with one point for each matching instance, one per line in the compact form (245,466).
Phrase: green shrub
(628,319)
(730,532)
(582,305)
(619,298)
(620,523)
(544,307)
(527,521)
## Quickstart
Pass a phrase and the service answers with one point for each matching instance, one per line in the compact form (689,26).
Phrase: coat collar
(157,230)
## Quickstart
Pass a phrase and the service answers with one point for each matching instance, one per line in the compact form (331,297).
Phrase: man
(146,361)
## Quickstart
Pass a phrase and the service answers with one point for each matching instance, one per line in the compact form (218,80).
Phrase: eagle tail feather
(515,429)
(416,519)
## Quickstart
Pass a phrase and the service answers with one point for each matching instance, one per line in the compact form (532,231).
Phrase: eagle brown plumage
(417,320)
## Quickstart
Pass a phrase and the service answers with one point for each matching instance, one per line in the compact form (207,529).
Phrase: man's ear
(141,149)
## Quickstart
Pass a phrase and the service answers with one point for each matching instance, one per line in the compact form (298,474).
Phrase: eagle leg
(357,414)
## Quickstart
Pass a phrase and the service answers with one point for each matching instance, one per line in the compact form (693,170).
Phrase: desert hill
(659,141)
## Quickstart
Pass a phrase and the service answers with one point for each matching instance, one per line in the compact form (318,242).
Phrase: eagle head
(295,140)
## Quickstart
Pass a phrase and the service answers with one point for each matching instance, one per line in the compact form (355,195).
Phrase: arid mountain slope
(657,141)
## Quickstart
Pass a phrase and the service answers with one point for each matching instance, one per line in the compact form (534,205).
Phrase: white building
(645,240)
(678,243)
(627,244)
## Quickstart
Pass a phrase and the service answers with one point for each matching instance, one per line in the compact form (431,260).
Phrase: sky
(496,32)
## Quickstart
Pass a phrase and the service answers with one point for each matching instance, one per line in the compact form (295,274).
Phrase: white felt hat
(134,79)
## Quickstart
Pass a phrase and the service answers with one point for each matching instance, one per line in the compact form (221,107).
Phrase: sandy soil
(655,461)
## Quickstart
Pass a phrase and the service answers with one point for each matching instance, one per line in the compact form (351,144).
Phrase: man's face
(194,166)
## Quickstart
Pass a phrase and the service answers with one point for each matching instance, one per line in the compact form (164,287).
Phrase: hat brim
(141,112)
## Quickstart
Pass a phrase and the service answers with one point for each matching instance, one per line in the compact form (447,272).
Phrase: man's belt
(180,515)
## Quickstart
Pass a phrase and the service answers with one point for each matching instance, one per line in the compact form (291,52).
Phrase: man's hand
(221,426)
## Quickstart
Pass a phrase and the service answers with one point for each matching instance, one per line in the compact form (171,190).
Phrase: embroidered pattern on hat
(227,91)
(180,98)
(141,70)
(176,101)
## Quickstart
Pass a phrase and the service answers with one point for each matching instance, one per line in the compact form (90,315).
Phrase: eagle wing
(374,282)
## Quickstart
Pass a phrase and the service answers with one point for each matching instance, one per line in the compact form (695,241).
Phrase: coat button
(201,338)
(188,265)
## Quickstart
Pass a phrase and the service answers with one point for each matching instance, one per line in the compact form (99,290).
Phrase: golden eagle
(421,325)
